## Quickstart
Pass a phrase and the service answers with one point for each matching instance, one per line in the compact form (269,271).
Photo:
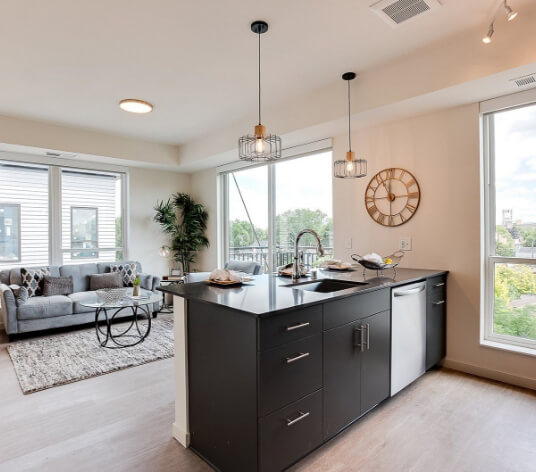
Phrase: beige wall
(146,187)
(442,150)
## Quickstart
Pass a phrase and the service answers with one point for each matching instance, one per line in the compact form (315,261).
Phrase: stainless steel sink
(326,285)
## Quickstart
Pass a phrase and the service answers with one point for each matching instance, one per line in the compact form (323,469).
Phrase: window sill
(508,347)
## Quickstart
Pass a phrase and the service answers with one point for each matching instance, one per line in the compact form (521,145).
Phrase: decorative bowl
(396,258)
(111,295)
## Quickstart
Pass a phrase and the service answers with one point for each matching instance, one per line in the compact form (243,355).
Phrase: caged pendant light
(259,146)
(350,168)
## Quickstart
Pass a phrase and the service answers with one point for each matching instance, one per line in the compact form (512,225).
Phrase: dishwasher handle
(411,291)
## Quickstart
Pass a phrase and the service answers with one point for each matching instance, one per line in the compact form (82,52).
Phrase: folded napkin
(373,257)
(225,275)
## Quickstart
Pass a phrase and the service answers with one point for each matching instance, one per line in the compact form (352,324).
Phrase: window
(24,215)
(84,234)
(91,216)
(267,205)
(9,233)
(52,215)
(510,212)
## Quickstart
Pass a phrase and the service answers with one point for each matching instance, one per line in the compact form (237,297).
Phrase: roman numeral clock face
(392,197)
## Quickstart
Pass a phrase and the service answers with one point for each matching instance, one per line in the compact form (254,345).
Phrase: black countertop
(268,294)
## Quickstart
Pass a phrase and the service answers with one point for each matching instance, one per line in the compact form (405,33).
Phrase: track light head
(510,14)
(487,39)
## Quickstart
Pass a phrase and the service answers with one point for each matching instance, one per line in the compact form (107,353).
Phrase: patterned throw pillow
(32,280)
(128,272)
(57,285)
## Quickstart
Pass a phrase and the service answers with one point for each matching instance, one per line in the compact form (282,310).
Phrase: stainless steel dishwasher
(408,334)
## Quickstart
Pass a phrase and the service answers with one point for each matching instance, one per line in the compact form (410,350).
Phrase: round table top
(127,301)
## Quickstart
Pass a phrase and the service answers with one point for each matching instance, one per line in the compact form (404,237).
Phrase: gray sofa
(57,311)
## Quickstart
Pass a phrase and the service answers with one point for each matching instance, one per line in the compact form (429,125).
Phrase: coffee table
(138,328)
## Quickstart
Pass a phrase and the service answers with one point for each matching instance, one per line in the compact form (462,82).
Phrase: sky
(300,183)
(515,163)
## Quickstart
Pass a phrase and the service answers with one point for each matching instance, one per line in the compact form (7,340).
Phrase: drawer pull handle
(440,302)
(298,326)
(440,284)
(301,355)
(302,416)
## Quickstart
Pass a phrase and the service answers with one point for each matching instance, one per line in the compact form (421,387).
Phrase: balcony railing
(282,255)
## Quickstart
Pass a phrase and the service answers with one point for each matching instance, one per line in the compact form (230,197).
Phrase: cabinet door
(342,377)
(436,318)
(376,360)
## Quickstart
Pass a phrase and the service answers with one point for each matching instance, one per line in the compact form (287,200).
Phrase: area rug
(57,360)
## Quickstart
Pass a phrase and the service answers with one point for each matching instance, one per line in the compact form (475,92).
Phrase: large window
(59,215)
(510,288)
(267,205)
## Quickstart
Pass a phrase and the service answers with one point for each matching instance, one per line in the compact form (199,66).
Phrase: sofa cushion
(57,285)
(128,272)
(91,297)
(33,280)
(15,277)
(111,280)
(80,274)
(45,307)
(104,267)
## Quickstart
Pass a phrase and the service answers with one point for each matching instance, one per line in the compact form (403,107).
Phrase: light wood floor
(446,421)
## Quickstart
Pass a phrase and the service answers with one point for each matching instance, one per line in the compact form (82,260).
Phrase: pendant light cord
(349,114)
(259,78)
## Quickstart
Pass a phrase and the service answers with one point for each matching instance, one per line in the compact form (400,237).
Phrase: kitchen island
(268,371)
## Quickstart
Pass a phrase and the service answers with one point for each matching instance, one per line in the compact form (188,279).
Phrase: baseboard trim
(182,436)
(491,374)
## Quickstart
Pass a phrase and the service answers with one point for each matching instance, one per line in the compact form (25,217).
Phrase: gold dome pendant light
(259,146)
(350,168)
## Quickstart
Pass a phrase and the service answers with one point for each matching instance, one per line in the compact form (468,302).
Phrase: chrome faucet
(296,271)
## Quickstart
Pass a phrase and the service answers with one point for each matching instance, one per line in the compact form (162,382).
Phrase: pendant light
(350,168)
(259,146)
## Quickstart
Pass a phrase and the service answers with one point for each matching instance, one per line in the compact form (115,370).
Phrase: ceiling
(71,62)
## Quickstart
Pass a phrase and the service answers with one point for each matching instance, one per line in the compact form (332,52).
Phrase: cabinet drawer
(289,372)
(288,434)
(437,288)
(354,308)
(291,326)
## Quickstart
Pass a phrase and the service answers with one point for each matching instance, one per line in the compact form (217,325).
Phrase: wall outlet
(404,244)
(348,243)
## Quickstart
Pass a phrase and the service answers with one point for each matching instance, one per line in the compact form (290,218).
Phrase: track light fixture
(510,15)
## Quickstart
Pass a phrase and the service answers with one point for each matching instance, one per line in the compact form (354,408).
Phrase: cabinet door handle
(301,355)
(368,336)
(361,344)
(440,302)
(297,326)
(301,416)
(440,284)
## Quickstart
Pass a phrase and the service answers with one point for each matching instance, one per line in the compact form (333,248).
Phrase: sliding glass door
(266,206)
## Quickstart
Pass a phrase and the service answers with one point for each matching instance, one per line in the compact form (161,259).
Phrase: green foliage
(505,244)
(291,222)
(137,281)
(186,222)
(511,282)
(242,234)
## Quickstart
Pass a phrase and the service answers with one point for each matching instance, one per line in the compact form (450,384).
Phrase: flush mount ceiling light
(259,146)
(350,168)
(133,105)
(510,15)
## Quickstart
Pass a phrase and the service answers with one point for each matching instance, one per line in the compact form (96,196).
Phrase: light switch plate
(348,243)
(404,244)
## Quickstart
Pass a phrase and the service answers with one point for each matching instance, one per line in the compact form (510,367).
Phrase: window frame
(19,238)
(296,152)
(95,249)
(54,167)
(488,338)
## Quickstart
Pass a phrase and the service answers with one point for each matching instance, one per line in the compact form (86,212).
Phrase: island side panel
(181,429)
(222,386)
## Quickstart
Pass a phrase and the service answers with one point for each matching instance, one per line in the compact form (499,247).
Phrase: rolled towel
(219,274)
(234,276)
(373,257)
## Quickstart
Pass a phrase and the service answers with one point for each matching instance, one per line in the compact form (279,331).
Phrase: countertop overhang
(270,294)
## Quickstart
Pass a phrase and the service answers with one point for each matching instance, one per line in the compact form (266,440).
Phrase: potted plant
(136,289)
(185,221)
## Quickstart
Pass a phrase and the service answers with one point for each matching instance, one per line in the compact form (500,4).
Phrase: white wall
(442,150)
(146,187)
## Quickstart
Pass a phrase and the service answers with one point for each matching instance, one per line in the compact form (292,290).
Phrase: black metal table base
(134,331)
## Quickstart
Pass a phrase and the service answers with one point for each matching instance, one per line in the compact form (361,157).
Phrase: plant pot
(136,291)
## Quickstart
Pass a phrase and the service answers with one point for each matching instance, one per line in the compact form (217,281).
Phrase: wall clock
(392,197)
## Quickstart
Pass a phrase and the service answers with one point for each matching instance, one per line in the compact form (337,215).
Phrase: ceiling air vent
(395,12)
(525,80)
